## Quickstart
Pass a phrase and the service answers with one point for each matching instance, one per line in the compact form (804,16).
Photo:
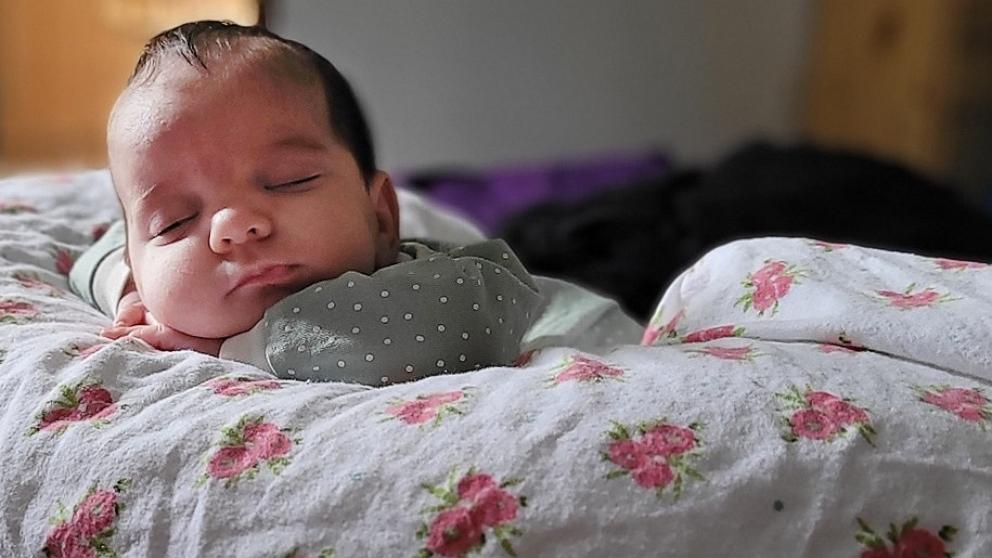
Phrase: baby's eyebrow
(145,193)
(300,142)
(146,198)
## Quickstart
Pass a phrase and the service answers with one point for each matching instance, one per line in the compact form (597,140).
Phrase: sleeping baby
(258,228)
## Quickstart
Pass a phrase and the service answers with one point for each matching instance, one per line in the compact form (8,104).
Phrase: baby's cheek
(180,305)
(187,295)
(199,308)
(172,292)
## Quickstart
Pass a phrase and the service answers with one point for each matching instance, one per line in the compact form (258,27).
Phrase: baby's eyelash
(174,226)
(292,183)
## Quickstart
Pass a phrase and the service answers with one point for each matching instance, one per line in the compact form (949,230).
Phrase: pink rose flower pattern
(15,208)
(83,351)
(712,333)
(64,260)
(98,230)
(469,508)
(13,311)
(85,401)
(86,533)
(655,454)
(908,299)
(831,348)
(768,285)
(429,407)
(957,265)
(829,246)
(968,404)
(247,445)
(582,369)
(908,541)
(744,353)
(234,386)
(822,416)
(30,281)
(668,331)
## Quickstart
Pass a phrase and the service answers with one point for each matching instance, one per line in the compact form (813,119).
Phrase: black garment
(631,243)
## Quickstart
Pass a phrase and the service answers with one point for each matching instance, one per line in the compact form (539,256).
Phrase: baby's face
(236,194)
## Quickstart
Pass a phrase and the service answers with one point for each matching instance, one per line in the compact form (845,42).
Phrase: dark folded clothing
(630,243)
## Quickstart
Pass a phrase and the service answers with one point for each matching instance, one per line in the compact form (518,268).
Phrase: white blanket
(847,413)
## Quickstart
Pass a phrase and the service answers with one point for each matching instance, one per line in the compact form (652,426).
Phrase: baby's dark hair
(197,41)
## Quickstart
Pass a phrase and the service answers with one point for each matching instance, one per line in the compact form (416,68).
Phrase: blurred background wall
(477,83)
(474,83)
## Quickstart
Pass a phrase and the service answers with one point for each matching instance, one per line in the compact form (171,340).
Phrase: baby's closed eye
(159,231)
(297,184)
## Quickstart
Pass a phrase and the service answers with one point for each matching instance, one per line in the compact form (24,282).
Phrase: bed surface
(797,399)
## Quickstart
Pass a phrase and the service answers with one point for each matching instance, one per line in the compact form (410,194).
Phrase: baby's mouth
(270,275)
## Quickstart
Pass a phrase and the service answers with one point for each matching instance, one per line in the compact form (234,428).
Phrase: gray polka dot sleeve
(445,310)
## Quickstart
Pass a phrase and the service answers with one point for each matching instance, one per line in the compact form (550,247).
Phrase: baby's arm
(100,275)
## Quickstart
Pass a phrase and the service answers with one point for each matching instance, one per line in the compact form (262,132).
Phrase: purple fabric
(488,198)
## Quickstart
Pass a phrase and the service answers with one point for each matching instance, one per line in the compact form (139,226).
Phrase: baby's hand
(134,320)
(130,308)
(164,338)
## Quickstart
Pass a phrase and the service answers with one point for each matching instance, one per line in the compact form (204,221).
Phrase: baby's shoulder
(494,249)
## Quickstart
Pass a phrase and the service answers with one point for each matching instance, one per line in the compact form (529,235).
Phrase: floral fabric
(793,399)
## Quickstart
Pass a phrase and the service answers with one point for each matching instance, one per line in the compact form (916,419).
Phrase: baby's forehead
(173,83)
(226,60)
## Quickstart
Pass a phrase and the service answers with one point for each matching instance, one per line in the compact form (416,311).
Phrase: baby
(258,228)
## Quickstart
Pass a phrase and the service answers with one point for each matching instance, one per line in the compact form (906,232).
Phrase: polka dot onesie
(443,310)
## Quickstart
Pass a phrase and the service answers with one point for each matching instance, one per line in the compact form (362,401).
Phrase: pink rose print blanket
(791,398)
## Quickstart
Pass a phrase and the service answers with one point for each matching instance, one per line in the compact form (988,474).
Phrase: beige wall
(62,64)
(882,78)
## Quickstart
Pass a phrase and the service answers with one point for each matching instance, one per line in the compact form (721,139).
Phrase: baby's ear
(387,216)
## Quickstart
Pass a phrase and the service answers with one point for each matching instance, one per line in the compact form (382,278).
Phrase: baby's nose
(230,227)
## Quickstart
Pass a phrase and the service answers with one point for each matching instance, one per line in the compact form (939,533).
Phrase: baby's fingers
(116,332)
(131,315)
(150,334)
(154,335)
(164,338)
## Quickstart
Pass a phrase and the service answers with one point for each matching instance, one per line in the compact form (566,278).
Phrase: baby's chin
(218,325)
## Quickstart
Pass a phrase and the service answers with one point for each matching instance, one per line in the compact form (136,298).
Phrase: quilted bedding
(793,398)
